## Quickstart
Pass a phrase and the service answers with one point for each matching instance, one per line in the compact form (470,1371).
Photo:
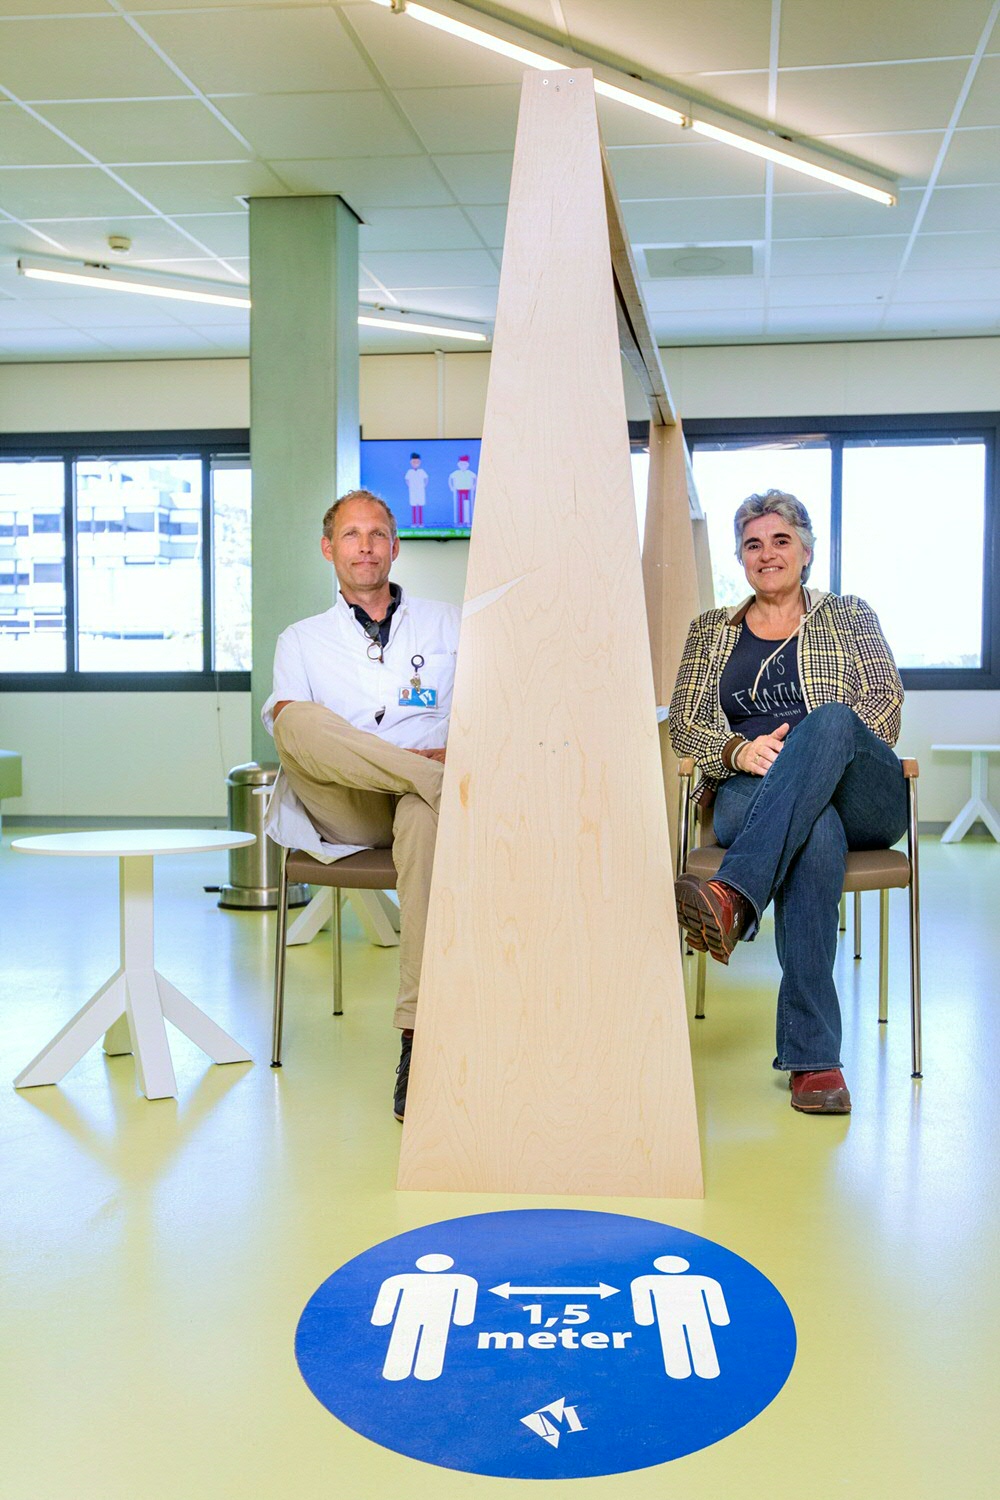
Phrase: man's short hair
(330,519)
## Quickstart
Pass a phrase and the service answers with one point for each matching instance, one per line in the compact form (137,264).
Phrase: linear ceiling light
(504,40)
(783,158)
(403,324)
(467,23)
(111,278)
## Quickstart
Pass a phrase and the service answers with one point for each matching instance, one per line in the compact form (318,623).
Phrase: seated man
(359,715)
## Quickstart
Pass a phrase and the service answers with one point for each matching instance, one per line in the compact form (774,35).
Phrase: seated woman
(789,704)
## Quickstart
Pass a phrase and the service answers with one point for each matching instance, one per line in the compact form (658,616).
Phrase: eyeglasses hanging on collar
(375,652)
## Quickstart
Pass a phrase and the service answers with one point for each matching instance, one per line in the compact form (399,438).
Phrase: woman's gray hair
(777,503)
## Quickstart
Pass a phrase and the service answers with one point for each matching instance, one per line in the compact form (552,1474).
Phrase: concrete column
(304,411)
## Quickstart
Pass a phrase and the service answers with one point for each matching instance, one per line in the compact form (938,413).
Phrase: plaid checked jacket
(843,657)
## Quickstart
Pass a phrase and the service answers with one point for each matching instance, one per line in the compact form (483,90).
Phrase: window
(905,511)
(108,574)
(32,592)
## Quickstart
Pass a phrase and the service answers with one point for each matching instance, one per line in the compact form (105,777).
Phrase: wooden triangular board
(670,580)
(551,1052)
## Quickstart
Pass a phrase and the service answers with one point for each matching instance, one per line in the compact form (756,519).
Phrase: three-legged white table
(130,1006)
(979,804)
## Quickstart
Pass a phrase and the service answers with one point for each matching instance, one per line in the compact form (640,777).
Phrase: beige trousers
(360,789)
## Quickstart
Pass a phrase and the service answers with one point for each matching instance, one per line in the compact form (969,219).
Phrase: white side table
(979,804)
(132,1004)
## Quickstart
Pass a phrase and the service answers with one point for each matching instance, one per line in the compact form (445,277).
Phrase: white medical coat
(324,659)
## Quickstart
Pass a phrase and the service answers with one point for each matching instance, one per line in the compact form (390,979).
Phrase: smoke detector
(119,243)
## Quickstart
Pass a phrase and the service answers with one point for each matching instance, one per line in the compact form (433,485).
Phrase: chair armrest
(685,767)
(911,770)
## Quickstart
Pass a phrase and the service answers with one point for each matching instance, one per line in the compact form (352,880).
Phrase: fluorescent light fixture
(110,278)
(797,163)
(497,36)
(481,38)
(403,324)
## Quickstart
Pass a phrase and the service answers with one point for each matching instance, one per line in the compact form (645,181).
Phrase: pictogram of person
(684,1309)
(462,483)
(424,1307)
(417,480)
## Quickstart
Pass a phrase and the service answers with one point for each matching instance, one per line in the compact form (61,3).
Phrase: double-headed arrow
(602,1290)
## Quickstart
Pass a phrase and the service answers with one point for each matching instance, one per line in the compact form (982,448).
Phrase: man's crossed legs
(360,789)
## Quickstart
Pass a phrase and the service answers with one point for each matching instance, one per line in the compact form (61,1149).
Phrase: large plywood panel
(551,1050)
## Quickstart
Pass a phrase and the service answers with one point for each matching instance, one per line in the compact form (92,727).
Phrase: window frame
(67,448)
(837,431)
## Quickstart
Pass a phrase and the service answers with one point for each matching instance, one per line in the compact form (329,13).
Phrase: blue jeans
(835,786)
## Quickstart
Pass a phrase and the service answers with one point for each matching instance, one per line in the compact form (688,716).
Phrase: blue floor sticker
(546,1343)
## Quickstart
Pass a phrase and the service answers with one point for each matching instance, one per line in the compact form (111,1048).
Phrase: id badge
(418,697)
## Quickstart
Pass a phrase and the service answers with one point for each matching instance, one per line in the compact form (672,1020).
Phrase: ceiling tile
(962,285)
(827,291)
(820,257)
(40,343)
(983,104)
(829,101)
(908,156)
(369,182)
(316,125)
(201,189)
(813,31)
(223,234)
(146,130)
(106,309)
(478,304)
(678,38)
(815,215)
(154,341)
(417,229)
(963,208)
(680,171)
(706,326)
(842,321)
(21,315)
(973,157)
(482,119)
(962,318)
(100,57)
(694,220)
(688,293)
(491,221)
(434,268)
(477,179)
(261,51)
(62,193)
(955,252)
(742,91)
(26,143)
(151,237)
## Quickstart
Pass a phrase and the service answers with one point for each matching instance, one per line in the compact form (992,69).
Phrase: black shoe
(402,1076)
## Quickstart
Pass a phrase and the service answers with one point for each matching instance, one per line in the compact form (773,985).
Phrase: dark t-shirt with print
(755,701)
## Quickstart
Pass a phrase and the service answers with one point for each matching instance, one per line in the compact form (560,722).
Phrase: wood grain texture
(551,1052)
(670,579)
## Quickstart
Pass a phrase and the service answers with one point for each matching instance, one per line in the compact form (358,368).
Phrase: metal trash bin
(254,869)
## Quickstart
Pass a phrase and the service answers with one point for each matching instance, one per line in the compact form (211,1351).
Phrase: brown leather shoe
(712,913)
(822,1093)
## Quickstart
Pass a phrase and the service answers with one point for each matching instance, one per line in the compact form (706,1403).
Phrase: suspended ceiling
(157,118)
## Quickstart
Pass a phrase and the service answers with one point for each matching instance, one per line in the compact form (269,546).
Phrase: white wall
(166,754)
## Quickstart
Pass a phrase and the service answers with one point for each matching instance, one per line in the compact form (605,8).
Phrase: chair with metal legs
(370,870)
(879,870)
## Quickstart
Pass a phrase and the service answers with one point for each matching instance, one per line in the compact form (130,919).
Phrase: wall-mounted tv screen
(429,485)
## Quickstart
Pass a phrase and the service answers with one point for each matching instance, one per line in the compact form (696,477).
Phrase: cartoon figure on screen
(462,483)
(417,480)
(684,1309)
(424,1307)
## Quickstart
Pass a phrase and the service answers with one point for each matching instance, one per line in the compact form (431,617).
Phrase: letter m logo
(548,1422)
